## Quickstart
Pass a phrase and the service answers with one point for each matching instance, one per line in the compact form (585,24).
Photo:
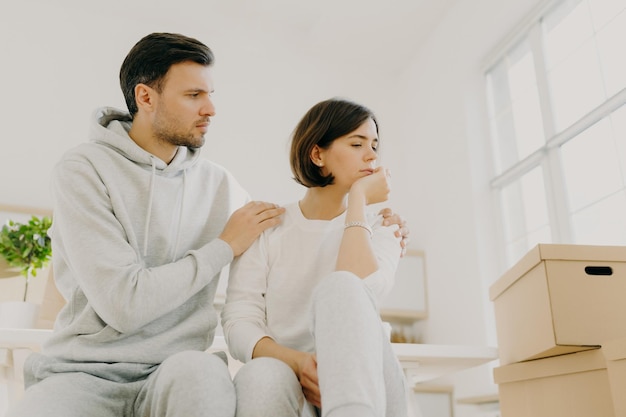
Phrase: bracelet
(359,224)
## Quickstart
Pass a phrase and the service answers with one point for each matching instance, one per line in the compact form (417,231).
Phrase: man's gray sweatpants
(187,384)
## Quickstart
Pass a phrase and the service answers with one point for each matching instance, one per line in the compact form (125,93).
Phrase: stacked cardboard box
(615,354)
(561,327)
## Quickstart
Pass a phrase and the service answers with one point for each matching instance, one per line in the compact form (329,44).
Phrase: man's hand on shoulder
(247,223)
(389,218)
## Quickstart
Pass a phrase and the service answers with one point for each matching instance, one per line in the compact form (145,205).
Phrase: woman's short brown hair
(321,125)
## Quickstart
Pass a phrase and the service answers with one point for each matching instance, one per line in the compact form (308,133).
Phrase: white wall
(60,60)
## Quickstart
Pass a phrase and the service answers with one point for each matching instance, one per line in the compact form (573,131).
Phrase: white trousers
(358,372)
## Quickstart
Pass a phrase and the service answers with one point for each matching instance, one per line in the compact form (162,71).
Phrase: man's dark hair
(151,58)
(321,125)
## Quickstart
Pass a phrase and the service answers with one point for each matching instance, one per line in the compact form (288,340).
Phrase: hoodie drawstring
(180,215)
(149,213)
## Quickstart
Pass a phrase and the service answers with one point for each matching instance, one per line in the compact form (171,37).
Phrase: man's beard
(170,132)
(188,140)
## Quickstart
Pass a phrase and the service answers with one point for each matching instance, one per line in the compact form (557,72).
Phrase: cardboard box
(572,385)
(615,354)
(560,299)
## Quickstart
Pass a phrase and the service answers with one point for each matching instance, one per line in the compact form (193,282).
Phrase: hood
(110,126)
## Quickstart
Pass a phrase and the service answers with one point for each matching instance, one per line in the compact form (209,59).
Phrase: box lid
(560,252)
(588,360)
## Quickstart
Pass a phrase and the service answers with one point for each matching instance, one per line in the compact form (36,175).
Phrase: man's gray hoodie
(135,250)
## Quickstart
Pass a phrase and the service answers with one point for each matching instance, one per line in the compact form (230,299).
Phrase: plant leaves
(27,245)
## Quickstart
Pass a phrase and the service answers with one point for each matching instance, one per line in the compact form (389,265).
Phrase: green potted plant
(27,247)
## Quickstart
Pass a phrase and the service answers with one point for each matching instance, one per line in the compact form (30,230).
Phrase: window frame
(548,156)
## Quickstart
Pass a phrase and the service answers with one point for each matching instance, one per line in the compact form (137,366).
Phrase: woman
(301,307)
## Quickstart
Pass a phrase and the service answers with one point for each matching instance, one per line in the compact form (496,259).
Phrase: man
(142,228)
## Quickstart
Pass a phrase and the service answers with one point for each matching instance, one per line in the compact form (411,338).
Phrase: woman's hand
(307,375)
(374,187)
(303,364)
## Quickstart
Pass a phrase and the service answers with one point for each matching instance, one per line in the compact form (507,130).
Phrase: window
(556,97)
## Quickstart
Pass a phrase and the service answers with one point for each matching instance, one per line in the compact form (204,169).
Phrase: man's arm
(102,257)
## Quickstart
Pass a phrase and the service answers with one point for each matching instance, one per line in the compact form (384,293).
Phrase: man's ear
(145,97)
(317,156)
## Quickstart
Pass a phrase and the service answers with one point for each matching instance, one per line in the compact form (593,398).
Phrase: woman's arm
(243,317)
(355,252)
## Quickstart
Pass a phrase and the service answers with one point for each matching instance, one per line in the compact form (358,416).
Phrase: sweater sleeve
(387,250)
(91,239)
(243,317)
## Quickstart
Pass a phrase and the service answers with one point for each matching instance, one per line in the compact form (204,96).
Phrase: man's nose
(208,108)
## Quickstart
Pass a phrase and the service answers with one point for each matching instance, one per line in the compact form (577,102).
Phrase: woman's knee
(340,284)
(267,387)
(265,373)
